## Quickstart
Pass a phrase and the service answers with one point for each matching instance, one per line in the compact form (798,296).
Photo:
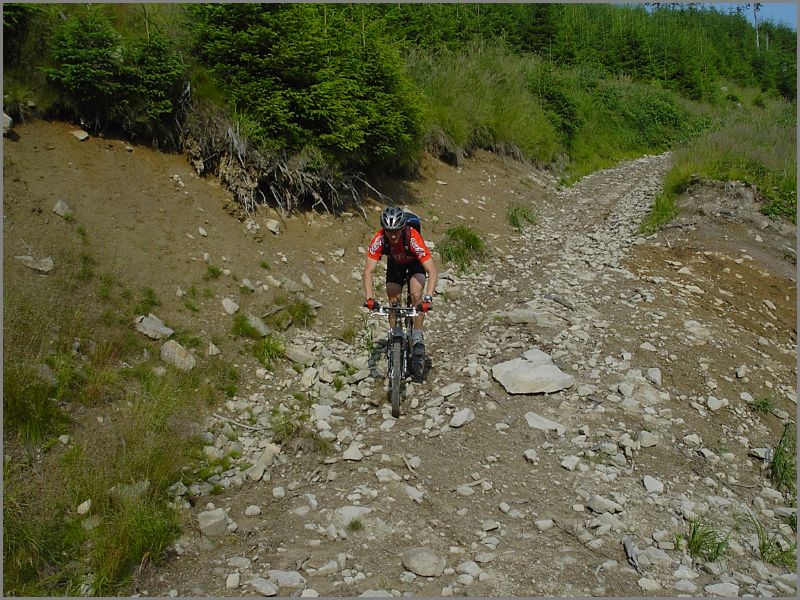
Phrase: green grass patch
(461,246)
(268,350)
(704,542)
(763,405)
(775,548)
(147,301)
(783,468)
(242,327)
(355,526)
(757,147)
(86,263)
(30,406)
(518,215)
(212,272)
(81,231)
(291,310)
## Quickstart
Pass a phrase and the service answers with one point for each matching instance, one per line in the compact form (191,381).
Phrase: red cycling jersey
(397,253)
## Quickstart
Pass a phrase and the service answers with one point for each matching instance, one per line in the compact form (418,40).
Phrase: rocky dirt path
(476,491)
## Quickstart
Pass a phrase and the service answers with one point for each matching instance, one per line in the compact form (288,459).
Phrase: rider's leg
(416,284)
(395,277)
(393,291)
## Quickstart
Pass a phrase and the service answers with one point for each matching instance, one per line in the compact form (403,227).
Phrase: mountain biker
(408,257)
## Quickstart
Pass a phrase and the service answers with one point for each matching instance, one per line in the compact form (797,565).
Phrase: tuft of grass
(349,334)
(704,541)
(129,533)
(292,311)
(461,246)
(243,328)
(87,264)
(147,301)
(81,230)
(517,214)
(212,272)
(288,423)
(338,383)
(269,349)
(775,549)
(264,265)
(30,406)
(664,209)
(763,405)
(783,469)
(355,525)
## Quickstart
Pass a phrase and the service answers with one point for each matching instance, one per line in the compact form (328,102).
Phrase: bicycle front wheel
(397,375)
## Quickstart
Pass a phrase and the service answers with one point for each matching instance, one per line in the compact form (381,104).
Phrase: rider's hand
(372,304)
(427,303)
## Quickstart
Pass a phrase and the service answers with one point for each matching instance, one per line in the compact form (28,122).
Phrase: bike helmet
(393,218)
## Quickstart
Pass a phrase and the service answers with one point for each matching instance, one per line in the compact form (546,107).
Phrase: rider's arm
(369,269)
(433,276)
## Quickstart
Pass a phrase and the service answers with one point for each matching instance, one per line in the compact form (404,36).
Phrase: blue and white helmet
(393,218)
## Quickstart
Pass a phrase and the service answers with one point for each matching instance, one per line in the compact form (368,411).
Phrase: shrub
(107,80)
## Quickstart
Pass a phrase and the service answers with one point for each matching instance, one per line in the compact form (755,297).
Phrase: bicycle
(399,357)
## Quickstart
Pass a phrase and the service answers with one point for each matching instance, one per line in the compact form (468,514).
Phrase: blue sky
(781,13)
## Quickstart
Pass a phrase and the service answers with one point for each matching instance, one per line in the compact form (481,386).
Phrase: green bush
(107,80)
(307,75)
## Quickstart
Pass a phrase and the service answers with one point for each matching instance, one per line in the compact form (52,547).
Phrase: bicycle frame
(397,349)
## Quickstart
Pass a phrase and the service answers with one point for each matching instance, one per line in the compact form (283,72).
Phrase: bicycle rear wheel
(397,375)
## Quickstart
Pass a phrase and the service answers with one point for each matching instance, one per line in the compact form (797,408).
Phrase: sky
(781,13)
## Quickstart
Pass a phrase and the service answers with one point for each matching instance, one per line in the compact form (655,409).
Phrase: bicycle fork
(396,335)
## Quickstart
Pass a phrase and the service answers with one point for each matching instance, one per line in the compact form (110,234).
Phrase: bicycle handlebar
(403,311)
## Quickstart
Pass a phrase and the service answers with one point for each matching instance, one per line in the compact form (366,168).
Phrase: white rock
(213,522)
(62,209)
(451,389)
(570,462)
(653,485)
(174,354)
(729,590)
(152,327)
(538,422)
(387,475)
(544,524)
(531,455)
(229,305)
(264,587)
(462,417)
(525,376)
(232,581)
(252,510)
(43,265)
(649,585)
(423,561)
(84,507)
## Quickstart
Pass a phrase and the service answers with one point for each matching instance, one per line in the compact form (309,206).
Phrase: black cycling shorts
(396,273)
